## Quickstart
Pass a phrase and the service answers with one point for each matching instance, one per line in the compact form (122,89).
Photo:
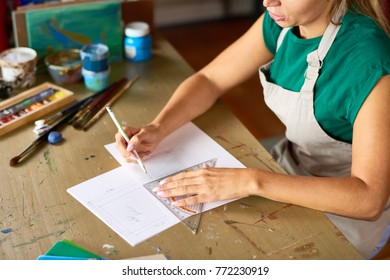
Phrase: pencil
(110,102)
(139,160)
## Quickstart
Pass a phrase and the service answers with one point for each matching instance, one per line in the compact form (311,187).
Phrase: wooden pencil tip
(14,161)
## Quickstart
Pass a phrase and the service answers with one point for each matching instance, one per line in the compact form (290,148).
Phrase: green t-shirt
(357,59)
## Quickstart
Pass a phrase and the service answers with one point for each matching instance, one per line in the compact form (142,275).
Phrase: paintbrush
(86,106)
(33,146)
(110,102)
(78,105)
(72,108)
(27,102)
(90,110)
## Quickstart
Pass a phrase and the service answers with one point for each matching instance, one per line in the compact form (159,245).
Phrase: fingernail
(175,203)
(147,156)
(160,193)
(130,147)
(156,189)
(163,181)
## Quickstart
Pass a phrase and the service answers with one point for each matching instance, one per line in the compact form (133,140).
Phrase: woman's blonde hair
(371,8)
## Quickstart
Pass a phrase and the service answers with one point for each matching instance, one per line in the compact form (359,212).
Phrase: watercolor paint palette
(32,104)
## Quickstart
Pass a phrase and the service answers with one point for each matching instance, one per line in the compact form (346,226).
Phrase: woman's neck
(316,27)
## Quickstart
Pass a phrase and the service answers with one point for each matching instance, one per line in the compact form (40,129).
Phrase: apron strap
(316,58)
(281,37)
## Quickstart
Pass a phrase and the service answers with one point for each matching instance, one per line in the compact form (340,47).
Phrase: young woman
(324,66)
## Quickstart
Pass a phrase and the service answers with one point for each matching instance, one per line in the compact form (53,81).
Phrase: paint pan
(18,66)
(64,66)
(95,57)
(32,104)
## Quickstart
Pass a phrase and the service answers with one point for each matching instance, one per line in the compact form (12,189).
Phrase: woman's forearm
(349,196)
(191,99)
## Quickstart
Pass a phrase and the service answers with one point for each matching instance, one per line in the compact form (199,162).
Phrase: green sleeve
(375,74)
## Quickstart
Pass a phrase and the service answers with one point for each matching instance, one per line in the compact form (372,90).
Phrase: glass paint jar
(96,81)
(138,41)
(95,57)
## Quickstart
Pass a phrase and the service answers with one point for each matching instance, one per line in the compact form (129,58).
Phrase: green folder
(66,248)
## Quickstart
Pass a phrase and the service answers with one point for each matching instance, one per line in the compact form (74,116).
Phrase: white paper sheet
(119,199)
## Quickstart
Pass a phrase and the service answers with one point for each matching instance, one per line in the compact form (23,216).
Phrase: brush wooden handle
(110,102)
(33,146)
(84,115)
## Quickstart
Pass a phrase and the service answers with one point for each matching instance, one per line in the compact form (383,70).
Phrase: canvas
(75,26)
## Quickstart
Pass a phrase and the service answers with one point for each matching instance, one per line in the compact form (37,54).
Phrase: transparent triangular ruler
(189,215)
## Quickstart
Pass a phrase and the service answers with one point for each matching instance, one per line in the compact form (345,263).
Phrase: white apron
(308,150)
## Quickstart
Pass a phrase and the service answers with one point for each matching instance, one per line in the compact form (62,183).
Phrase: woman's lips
(276,17)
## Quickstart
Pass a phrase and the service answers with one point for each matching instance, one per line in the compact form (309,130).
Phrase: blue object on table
(96,81)
(54,137)
(95,57)
(138,42)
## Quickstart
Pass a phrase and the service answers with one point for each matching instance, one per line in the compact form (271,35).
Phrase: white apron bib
(308,150)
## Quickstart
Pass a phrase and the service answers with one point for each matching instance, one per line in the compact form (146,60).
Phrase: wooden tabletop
(36,211)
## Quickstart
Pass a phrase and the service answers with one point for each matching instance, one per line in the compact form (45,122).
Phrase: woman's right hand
(144,140)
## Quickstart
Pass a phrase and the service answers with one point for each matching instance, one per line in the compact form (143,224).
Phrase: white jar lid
(17,55)
(137,29)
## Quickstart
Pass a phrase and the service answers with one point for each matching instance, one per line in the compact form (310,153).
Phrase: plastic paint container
(64,66)
(95,57)
(137,42)
(18,66)
(96,81)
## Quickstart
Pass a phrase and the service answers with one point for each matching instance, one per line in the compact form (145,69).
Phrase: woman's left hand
(206,185)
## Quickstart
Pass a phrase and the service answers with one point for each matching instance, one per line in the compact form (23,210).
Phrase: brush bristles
(14,161)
